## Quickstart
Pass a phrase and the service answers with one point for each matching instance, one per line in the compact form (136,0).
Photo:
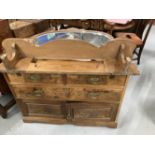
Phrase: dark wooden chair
(138,36)
(5,32)
(4,89)
(4,109)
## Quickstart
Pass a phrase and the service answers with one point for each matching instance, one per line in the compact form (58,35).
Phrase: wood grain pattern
(67,93)
(70,79)
(71,112)
(94,112)
(33,119)
(106,67)
(69,49)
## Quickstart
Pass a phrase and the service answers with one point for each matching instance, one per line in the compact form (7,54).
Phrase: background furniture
(53,86)
(92,24)
(28,27)
(113,27)
(6,102)
(139,37)
(5,32)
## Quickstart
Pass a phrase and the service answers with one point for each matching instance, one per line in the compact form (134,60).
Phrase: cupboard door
(86,79)
(53,110)
(93,112)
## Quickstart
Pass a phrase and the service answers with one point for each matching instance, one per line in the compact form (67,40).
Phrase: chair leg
(3,112)
(139,54)
(144,41)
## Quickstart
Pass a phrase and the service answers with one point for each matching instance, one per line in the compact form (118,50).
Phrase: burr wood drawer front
(68,79)
(96,79)
(95,94)
(36,92)
(67,93)
(36,78)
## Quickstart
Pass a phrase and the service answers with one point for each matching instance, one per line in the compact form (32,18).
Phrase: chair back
(140,25)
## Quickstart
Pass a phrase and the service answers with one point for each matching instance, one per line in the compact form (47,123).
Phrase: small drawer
(96,79)
(96,95)
(47,78)
(105,95)
(42,92)
(36,78)
(86,79)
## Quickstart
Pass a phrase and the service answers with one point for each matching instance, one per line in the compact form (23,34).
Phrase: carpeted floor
(137,115)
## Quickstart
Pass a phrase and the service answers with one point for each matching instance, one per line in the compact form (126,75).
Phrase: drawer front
(50,78)
(96,79)
(95,94)
(68,79)
(41,92)
(54,110)
(76,93)
(93,111)
(36,78)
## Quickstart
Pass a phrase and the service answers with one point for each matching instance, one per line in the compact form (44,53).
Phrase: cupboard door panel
(93,111)
(46,110)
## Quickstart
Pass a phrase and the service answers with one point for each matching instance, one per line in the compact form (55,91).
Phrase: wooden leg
(4,109)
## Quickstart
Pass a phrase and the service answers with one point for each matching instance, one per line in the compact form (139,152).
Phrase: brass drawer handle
(34,78)
(54,76)
(94,80)
(93,95)
(37,92)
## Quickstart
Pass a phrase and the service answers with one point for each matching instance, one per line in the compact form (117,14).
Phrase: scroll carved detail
(10,62)
(122,58)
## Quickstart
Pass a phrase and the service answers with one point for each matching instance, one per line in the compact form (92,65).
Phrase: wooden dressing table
(69,76)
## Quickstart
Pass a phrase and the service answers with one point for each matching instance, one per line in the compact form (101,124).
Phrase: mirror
(92,37)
